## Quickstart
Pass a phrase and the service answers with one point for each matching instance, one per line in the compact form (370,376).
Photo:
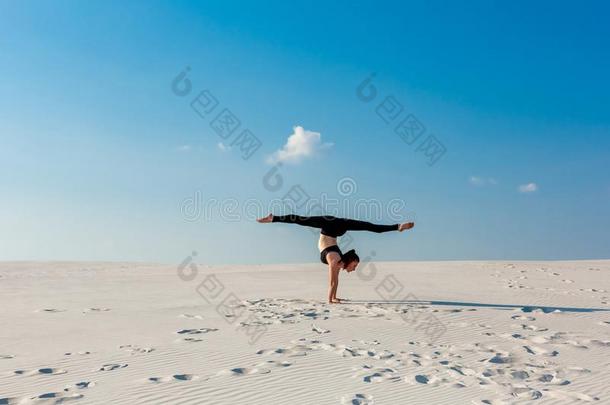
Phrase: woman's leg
(314,222)
(355,225)
(335,226)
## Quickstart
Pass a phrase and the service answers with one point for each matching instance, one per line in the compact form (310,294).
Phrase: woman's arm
(333,283)
(334,266)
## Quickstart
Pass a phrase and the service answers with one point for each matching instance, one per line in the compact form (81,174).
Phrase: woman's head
(350,260)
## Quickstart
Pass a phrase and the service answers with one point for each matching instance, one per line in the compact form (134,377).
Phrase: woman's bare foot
(267,219)
(336,301)
(405,226)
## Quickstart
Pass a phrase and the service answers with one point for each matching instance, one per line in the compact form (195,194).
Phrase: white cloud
(476,181)
(482,181)
(223,147)
(300,144)
(528,188)
(184,148)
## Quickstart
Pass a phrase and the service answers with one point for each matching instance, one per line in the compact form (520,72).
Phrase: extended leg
(332,226)
(314,222)
(355,225)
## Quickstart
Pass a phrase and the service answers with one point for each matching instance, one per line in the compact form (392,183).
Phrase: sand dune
(411,333)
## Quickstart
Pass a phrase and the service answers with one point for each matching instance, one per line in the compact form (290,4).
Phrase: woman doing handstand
(330,229)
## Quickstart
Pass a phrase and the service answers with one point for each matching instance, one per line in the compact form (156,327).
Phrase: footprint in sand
(365,342)
(87,310)
(190,340)
(357,399)
(56,397)
(260,368)
(6,356)
(457,370)
(50,310)
(11,400)
(453,375)
(533,328)
(371,374)
(318,329)
(549,338)
(491,402)
(41,371)
(590,342)
(523,318)
(273,363)
(425,379)
(518,377)
(80,385)
(501,358)
(455,310)
(112,367)
(189,316)
(350,351)
(540,351)
(243,371)
(173,378)
(299,349)
(83,353)
(196,331)
(525,393)
(51,397)
(568,395)
(414,359)
(135,349)
(578,370)
(553,379)
(577,344)
(595,290)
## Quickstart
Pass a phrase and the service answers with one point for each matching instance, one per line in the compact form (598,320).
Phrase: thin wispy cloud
(528,188)
(184,148)
(482,181)
(301,144)
(223,147)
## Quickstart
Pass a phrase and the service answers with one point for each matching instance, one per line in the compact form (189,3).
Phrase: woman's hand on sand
(264,220)
(405,226)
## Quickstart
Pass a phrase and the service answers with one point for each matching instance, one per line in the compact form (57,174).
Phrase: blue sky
(98,154)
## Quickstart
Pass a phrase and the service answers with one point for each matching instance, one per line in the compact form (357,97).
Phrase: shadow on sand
(524,308)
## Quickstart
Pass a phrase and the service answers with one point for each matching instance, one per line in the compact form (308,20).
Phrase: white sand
(108,333)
